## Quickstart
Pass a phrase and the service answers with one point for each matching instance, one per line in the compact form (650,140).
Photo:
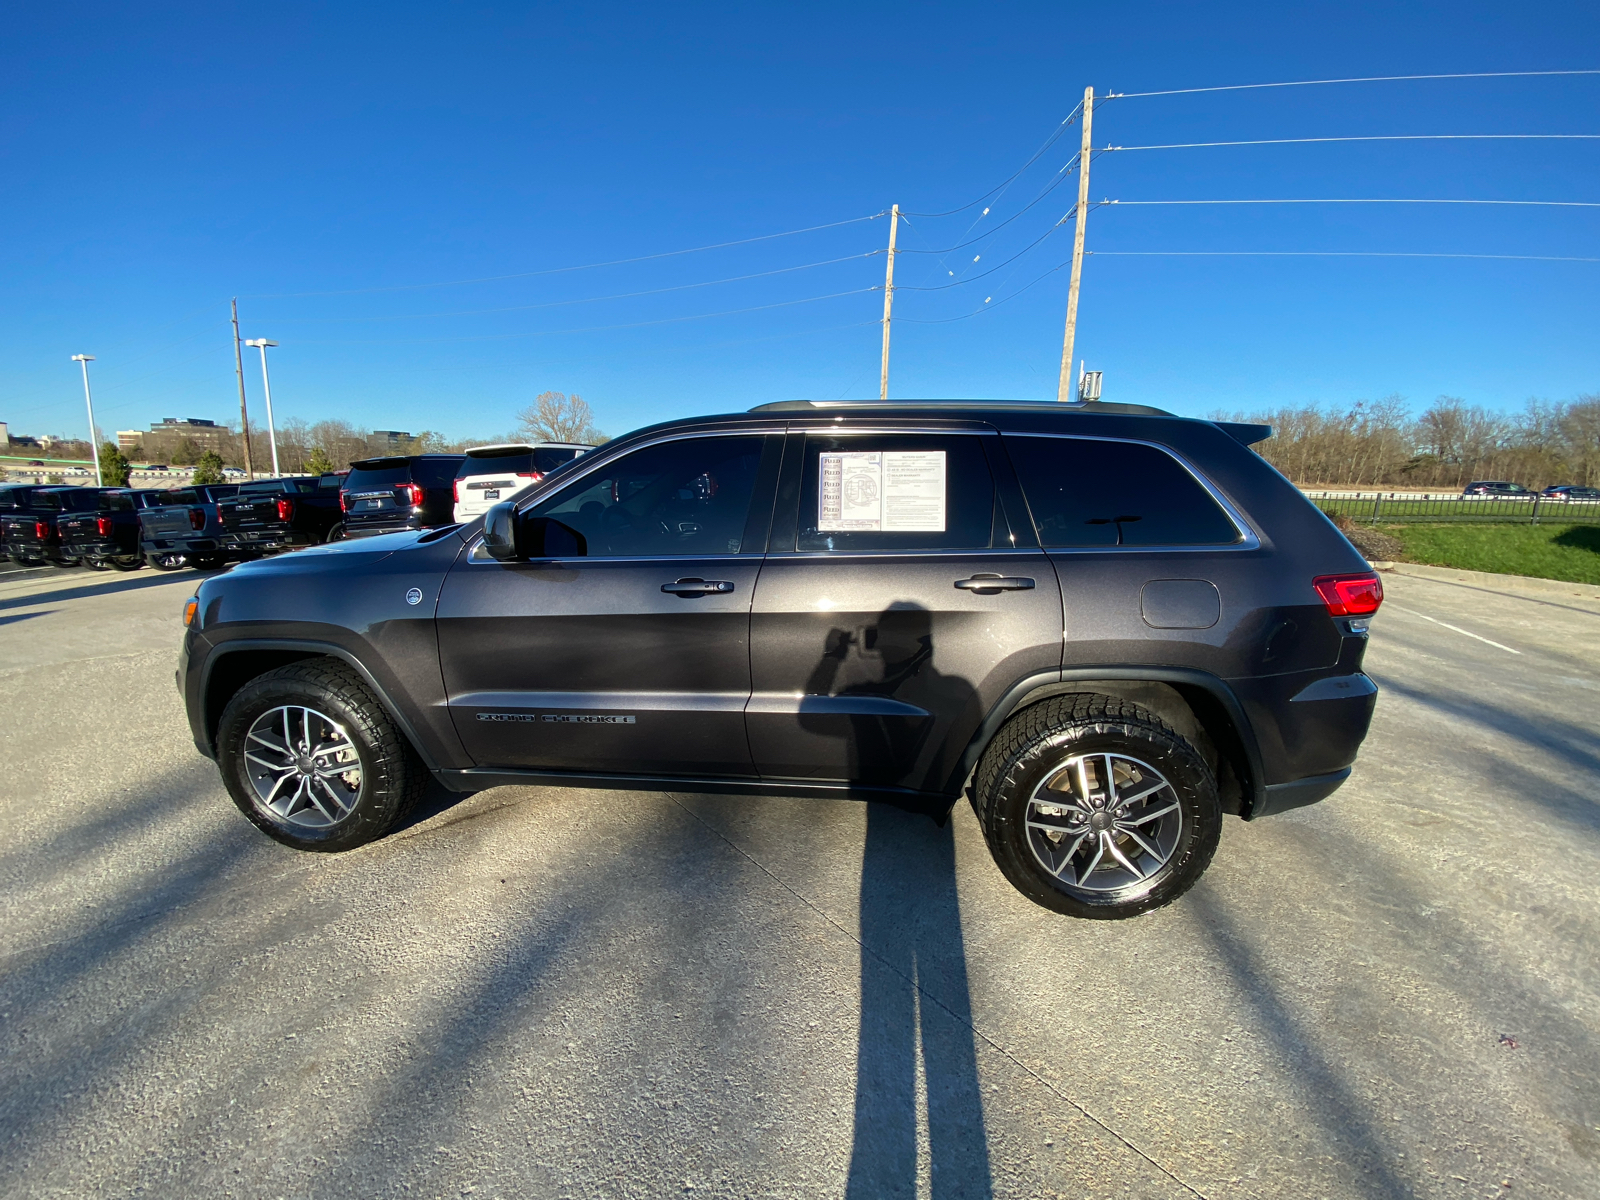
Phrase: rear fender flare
(1044,684)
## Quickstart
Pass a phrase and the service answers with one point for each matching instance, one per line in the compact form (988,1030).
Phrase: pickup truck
(16,499)
(32,535)
(105,534)
(270,515)
(185,526)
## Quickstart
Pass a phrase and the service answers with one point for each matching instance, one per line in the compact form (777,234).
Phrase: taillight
(41,530)
(456,489)
(1350,595)
(531,476)
(344,502)
(285,508)
(408,493)
(103,524)
(197,518)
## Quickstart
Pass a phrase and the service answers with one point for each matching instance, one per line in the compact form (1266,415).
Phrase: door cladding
(1180,604)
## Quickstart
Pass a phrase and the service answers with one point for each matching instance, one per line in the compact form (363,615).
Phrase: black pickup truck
(270,515)
(16,499)
(184,525)
(104,534)
(33,535)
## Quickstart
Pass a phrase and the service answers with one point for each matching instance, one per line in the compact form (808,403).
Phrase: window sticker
(887,491)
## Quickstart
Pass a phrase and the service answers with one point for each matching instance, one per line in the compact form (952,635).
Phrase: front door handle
(988,584)
(706,587)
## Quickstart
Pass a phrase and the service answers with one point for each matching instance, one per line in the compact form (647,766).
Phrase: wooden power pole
(1064,390)
(888,303)
(244,415)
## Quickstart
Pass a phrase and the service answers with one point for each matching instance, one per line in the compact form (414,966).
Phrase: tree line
(306,447)
(1450,443)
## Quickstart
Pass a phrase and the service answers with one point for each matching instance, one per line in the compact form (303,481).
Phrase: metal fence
(1396,507)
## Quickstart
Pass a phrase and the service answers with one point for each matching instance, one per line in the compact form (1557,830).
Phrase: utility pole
(83,360)
(888,303)
(244,415)
(266,389)
(1063,389)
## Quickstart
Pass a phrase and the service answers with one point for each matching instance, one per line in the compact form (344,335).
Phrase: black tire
(336,534)
(168,562)
(391,777)
(126,562)
(207,562)
(1032,751)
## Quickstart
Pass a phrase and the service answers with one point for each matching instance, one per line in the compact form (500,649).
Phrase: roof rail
(1088,406)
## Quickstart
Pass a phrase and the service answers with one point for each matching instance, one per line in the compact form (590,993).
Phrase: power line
(1399,137)
(1534,203)
(1060,129)
(1062,175)
(1336,254)
(615,262)
(476,312)
(1241,87)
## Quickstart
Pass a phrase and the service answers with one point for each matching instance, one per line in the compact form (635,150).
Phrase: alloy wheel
(303,767)
(1104,822)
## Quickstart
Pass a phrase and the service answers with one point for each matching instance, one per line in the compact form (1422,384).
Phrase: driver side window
(686,497)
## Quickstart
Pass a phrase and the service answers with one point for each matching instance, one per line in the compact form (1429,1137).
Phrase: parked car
(33,535)
(491,474)
(15,498)
(1496,488)
(36,462)
(184,527)
(403,491)
(270,515)
(1570,491)
(105,533)
(838,600)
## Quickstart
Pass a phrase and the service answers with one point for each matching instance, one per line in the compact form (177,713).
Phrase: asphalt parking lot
(543,992)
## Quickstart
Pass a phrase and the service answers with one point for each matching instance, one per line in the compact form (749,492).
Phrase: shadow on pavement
(58,595)
(913,950)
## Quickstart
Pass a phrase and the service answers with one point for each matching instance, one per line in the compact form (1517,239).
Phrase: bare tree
(556,417)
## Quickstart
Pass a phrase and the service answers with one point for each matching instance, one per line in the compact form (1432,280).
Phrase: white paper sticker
(890,491)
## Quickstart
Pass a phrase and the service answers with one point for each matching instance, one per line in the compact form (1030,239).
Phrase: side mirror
(510,538)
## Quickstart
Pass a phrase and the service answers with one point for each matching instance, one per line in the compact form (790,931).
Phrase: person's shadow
(914,995)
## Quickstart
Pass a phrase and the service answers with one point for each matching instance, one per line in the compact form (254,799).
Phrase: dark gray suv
(1105,625)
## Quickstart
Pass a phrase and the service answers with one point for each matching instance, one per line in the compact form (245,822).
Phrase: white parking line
(1455,628)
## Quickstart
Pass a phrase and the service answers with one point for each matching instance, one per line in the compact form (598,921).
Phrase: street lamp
(261,344)
(84,360)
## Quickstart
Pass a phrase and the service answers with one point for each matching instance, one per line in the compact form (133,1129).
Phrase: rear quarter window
(1087,492)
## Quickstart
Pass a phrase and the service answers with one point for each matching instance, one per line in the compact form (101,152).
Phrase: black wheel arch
(236,662)
(1198,705)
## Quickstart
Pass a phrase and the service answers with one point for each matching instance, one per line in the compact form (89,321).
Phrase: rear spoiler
(1245,434)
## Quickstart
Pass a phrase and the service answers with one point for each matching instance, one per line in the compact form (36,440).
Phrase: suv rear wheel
(1095,808)
(310,756)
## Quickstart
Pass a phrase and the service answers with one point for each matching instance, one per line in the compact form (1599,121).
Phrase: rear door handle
(703,587)
(994,583)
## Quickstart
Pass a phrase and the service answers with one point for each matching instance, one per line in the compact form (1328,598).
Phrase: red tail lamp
(285,508)
(197,518)
(41,530)
(1350,595)
(103,524)
(408,493)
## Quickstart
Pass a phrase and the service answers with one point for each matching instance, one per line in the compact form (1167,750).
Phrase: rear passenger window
(896,492)
(1086,492)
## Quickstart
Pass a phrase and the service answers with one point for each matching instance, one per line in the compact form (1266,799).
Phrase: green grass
(1566,552)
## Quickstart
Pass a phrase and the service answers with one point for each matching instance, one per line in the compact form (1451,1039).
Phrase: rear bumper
(180,545)
(95,550)
(266,541)
(1281,797)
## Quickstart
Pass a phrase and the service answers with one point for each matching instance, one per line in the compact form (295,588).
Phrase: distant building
(208,435)
(390,439)
(130,439)
(5,434)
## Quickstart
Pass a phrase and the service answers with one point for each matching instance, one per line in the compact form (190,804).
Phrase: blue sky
(319,162)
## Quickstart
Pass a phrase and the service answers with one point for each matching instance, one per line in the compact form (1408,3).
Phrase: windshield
(362,479)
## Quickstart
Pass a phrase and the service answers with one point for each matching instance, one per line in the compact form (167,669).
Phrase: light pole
(83,360)
(261,344)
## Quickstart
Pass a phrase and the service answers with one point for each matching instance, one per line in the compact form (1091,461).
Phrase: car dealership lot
(548,992)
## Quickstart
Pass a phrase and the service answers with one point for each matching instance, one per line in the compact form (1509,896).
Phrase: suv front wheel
(312,758)
(1094,807)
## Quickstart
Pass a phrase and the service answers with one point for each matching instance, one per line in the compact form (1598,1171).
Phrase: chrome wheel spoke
(1151,816)
(1130,832)
(1099,853)
(1116,853)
